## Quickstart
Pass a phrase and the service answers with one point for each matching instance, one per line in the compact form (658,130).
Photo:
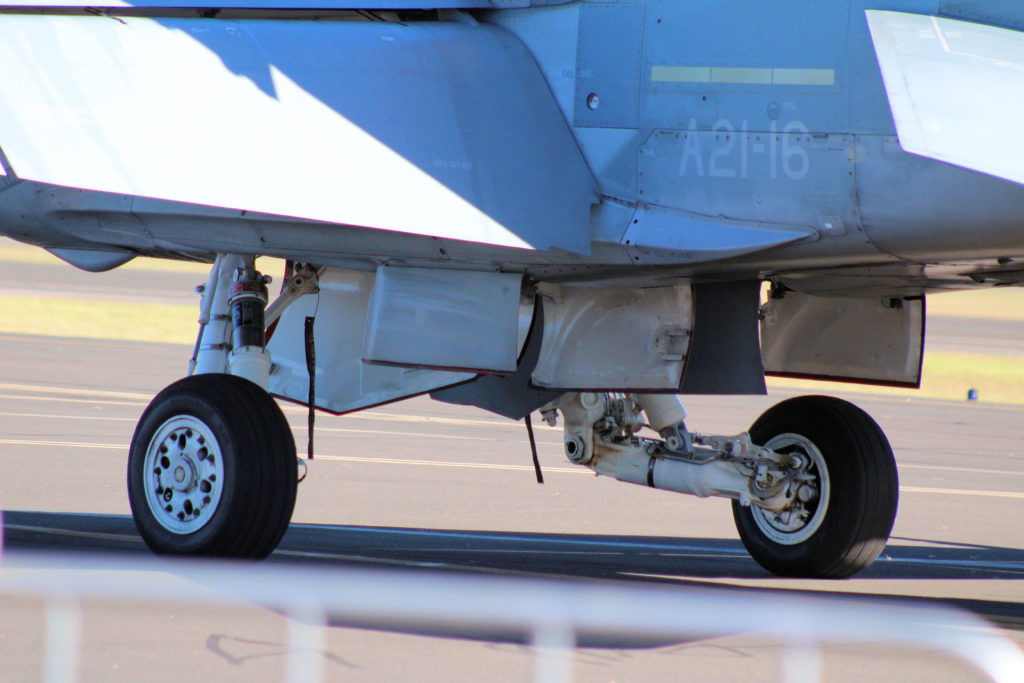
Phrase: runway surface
(433,487)
(436,488)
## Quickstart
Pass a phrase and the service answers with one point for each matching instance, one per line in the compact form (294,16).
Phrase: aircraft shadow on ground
(647,559)
(631,558)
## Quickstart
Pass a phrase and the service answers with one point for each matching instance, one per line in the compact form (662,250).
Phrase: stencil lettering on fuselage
(728,151)
(781,175)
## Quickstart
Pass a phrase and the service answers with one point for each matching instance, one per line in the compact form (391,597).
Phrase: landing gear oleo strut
(212,467)
(816,498)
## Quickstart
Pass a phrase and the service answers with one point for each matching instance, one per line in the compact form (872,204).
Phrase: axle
(601,433)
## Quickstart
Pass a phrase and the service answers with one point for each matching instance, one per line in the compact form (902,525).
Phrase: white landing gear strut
(212,469)
(813,483)
(232,336)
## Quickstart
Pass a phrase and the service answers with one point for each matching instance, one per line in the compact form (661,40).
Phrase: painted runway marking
(480,466)
(77,391)
(62,444)
(378,432)
(443,463)
(88,418)
(961,492)
(372,415)
(972,342)
(973,470)
(364,415)
(87,401)
(391,418)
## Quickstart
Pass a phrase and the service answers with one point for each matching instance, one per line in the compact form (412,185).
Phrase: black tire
(857,500)
(212,470)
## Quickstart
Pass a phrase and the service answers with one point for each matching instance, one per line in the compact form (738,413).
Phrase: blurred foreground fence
(552,615)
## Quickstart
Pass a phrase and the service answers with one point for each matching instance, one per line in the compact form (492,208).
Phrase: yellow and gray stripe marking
(743,75)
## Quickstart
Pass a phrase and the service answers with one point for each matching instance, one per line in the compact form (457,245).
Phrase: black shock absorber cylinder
(248,302)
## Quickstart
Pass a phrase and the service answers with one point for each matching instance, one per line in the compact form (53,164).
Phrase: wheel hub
(798,521)
(183,474)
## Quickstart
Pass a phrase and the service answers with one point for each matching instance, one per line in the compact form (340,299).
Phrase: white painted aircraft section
(951,85)
(211,113)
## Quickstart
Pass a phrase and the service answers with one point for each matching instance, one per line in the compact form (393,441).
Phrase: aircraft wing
(955,89)
(447,130)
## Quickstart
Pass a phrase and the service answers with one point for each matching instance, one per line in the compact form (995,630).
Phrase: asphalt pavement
(431,487)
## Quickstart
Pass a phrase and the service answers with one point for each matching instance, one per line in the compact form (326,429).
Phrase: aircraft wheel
(212,469)
(845,523)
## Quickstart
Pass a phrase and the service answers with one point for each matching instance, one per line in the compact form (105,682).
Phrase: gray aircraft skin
(559,206)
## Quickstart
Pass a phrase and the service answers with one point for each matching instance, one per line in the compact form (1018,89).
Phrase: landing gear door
(866,340)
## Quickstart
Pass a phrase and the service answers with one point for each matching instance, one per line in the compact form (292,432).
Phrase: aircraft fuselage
(710,113)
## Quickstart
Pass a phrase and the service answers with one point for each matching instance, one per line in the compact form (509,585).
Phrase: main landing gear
(814,483)
(212,469)
(840,523)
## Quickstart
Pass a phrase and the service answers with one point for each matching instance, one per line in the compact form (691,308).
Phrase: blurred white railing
(552,611)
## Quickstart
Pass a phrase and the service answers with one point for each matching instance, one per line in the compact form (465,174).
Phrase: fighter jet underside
(554,206)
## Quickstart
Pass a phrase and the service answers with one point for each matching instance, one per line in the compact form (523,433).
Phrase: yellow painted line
(345,430)
(973,470)
(88,418)
(62,444)
(443,463)
(825,77)
(319,430)
(742,75)
(483,466)
(735,74)
(88,401)
(364,415)
(962,492)
(503,423)
(339,458)
(379,432)
(69,391)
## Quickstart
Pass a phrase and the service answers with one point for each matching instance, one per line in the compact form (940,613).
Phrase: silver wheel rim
(183,474)
(799,521)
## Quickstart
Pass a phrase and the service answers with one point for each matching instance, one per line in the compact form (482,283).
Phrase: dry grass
(97,319)
(998,379)
(1005,303)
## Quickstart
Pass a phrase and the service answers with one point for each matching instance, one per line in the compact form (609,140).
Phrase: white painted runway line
(474,465)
